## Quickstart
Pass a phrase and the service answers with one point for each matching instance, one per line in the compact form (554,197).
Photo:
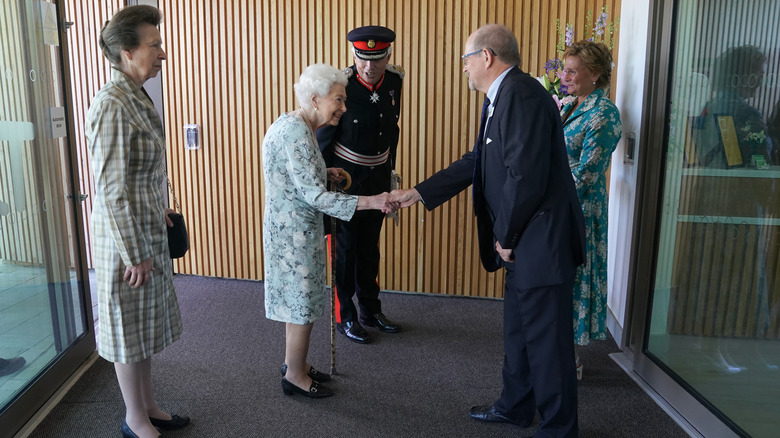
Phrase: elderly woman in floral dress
(591,124)
(295,200)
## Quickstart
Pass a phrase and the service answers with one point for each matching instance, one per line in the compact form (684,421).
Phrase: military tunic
(367,133)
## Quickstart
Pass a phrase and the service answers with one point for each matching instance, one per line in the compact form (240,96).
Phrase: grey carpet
(224,373)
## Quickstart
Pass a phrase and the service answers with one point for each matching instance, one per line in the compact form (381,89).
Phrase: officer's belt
(360,159)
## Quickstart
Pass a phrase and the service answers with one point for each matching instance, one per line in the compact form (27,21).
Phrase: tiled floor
(26,324)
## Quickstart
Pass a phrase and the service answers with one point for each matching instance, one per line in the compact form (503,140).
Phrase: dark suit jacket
(530,203)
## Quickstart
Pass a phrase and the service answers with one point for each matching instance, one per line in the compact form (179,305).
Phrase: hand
(405,197)
(138,275)
(384,202)
(506,254)
(334,174)
(168,219)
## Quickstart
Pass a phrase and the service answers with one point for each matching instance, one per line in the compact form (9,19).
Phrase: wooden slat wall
(231,69)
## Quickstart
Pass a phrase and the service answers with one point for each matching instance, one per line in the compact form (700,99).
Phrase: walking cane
(334,187)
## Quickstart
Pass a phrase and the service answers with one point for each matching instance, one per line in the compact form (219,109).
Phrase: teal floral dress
(592,132)
(293,237)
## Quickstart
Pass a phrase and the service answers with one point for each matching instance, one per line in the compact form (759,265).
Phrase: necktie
(476,183)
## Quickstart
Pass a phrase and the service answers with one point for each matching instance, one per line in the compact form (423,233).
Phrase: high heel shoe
(315,390)
(313,374)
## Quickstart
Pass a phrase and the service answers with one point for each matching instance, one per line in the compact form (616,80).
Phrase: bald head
(501,40)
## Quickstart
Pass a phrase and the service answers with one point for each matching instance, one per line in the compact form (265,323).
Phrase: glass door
(45,320)
(713,326)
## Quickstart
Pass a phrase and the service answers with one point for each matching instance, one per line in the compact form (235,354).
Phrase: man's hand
(405,197)
(138,275)
(506,254)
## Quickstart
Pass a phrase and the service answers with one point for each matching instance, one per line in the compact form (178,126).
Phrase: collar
(369,86)
(587,104)
(493,90)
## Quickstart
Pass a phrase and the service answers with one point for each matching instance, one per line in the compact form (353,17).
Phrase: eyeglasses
(464,57)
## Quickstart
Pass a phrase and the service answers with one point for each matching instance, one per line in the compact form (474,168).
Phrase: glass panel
(42,309)
(716,302)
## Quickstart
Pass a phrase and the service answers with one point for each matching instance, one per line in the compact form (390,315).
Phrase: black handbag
(178,241)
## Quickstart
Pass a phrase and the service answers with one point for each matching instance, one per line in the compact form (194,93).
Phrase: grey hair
(317,80)
(500,40)
(121,32)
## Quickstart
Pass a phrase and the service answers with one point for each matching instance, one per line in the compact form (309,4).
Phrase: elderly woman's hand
(335,175)
(382,201)
(138,275)
(167,218)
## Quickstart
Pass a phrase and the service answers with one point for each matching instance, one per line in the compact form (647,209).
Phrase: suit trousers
(539,370)
(357,265)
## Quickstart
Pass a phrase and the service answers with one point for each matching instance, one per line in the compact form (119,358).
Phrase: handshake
(391,202)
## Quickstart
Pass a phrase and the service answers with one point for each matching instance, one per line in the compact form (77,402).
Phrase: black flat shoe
(354,332)
(314,374)
(315,391)
(381,322)
(127,432)
(490,414)
(176,422)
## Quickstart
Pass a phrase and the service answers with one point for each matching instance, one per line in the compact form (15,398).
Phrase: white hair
(317,80)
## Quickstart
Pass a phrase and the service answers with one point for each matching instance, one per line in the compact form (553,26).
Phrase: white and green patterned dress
(293,237)
(592,133)
(127,151)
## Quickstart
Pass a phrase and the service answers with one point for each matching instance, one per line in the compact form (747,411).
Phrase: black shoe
(127,432)
(10,366)
(354,331)
(176,422)
(314,374)
(490,414)
(381,322)
(315,390)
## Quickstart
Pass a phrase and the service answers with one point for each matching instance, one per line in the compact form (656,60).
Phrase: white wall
(630,71)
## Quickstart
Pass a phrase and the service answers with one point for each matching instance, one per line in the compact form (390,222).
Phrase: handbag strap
(170,187)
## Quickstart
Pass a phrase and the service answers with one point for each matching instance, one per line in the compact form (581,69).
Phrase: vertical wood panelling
(231,69)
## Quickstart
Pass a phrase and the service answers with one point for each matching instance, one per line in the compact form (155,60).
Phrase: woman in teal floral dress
(592,127)
(293,239)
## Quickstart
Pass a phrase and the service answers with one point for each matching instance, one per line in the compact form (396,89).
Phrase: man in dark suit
(529,221)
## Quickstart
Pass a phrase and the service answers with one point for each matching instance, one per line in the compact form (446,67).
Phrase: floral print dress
(592,132)
(293,237)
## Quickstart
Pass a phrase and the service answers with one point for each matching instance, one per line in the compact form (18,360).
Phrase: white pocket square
(488,140)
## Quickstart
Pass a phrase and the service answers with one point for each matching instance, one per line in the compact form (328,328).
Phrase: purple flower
(552,65)
(569,34)
(601,23)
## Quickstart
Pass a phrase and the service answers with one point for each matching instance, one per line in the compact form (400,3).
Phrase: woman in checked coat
(137,307)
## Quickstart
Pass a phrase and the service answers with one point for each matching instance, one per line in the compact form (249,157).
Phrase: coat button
(354,121)
(381,115)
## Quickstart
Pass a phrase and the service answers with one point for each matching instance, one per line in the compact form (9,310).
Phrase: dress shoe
(10,366)
(490,414)
(176,422)
(314,374)
(315,390)
(381,322)
(354,332)
(127,432)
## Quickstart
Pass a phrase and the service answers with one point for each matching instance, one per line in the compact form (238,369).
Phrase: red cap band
(370,45)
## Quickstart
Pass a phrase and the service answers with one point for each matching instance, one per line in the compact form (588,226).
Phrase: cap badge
(371,44)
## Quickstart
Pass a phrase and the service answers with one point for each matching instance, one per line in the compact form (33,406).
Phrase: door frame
(662,31)
(26,405)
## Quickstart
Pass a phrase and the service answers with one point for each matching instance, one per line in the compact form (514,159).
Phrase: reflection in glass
(715,322)
(41,309)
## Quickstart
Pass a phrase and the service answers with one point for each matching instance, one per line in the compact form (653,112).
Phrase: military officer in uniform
(364,144)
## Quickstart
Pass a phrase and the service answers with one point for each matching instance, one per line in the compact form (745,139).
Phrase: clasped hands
(407,197)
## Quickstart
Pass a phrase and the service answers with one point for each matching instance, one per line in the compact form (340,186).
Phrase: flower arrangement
(602,31)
